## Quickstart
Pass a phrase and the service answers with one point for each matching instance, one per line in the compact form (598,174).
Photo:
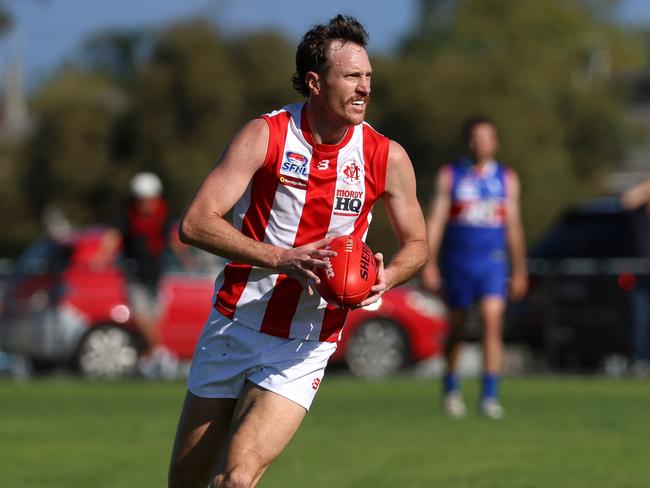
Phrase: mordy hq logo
(348,199)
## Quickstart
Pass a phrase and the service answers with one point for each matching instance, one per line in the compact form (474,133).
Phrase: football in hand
(349,276)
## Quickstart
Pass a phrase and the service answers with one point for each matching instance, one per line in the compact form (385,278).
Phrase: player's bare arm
(108,247)
(203,224)
(636,196)
(407,221)
(515,237)
(436,222)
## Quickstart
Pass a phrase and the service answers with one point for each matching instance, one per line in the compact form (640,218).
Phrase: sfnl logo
(295,165)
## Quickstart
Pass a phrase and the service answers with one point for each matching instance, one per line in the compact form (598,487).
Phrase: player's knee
(238,477)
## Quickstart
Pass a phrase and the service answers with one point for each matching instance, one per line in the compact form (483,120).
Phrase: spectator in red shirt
(144,231)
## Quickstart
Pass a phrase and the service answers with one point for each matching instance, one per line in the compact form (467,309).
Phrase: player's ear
(313,82)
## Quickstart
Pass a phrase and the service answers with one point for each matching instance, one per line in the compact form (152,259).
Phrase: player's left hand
(518,285)
(380,285)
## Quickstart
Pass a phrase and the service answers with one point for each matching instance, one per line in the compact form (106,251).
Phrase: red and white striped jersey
(302,193)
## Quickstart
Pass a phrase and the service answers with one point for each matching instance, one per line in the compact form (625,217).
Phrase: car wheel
(377,348)
(108,352)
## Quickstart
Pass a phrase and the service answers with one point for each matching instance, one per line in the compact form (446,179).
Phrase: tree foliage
(5,19)
(68,158)
(169,101)
(166,102)
(542,70)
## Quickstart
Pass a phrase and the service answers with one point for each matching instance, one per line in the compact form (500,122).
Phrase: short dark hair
(471,123)
(311,54)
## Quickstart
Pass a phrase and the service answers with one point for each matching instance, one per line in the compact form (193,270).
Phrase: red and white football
(348,277)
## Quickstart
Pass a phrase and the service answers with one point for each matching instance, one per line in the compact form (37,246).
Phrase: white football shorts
(229,354)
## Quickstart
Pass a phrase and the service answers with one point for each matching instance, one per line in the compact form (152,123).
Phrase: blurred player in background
(296,177)
(637,199)
(144,232)
(474,225)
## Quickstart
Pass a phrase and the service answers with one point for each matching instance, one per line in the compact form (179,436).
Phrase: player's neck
(323,130)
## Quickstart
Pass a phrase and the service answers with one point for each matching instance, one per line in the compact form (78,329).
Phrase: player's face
(345,87)
(483,142)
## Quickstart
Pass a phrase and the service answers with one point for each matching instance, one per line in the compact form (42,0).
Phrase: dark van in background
(583,275)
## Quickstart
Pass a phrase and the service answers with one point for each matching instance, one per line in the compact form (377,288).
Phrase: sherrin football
(348,277)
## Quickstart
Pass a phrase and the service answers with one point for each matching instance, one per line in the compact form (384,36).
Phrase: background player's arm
(203,224)
(407,221)
(183,252)
(107,250)
(436,222)
(637,196)
(515,237)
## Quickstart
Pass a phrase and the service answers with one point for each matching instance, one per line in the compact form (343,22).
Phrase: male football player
(296,177)
(474,222)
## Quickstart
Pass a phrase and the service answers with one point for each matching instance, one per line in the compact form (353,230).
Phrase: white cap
(146,185)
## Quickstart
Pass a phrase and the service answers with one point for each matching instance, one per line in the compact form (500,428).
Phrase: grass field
(559,432)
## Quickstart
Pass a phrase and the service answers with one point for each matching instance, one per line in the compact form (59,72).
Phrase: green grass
(559,432)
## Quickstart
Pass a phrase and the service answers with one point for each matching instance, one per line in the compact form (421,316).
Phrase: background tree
(5,19)
(67,160)
(169,100)
(543,71)
(194,92)
(163,101)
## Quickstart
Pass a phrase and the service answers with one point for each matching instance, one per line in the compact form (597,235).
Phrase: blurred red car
(59,310)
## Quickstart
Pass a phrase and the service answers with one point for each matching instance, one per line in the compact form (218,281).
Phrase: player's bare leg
(491,310)
(200,439)
(146,325)
(454,344)
(453,399)
(262,426)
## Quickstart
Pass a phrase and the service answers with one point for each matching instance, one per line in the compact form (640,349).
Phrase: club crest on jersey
(352,173)
(494,186)
(295,164)
(468,189)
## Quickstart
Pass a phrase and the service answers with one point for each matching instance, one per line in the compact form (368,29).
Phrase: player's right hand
(518,286)
(431,279)
(300,262)
(379,288)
